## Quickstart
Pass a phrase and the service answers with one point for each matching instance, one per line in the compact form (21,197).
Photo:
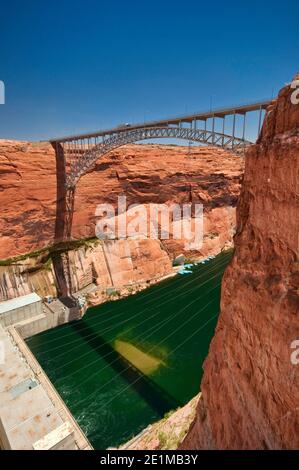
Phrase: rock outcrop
(250,388)
(110,264)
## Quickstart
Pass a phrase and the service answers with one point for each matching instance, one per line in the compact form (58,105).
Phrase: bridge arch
(81,160)
(79,153)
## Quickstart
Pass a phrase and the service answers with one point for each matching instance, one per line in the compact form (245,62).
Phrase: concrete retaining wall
(32,414)
(20,313)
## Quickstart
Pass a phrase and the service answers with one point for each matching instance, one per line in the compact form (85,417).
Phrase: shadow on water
(156,397)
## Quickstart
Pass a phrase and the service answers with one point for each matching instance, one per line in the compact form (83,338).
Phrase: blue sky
(75,66)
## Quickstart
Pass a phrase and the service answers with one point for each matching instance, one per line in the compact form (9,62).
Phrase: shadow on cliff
(64,199)
(155,396)
(63,219)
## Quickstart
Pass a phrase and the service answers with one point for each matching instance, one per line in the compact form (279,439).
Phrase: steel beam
(164,122)
(89,156)
(80,152)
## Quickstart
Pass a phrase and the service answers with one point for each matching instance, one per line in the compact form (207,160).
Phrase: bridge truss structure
(80,152)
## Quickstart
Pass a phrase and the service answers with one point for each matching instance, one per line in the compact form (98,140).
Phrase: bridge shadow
(60,193)
(157,398)
(65,198)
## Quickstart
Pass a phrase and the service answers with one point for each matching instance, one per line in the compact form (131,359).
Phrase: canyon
(250,388)
(36,258)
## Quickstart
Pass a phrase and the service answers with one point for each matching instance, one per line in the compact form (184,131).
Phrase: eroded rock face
(158,174)
(110,264)
(32,214)
(250,388)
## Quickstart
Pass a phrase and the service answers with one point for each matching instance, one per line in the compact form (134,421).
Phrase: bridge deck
(201,116)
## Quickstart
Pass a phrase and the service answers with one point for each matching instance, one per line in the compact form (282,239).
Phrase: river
(128,362)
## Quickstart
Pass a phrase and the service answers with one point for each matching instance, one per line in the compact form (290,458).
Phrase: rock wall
(30,211)
(25,277)
(250,388)
(115,263)
(32,215)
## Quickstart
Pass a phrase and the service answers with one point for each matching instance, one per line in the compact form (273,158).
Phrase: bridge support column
(244,125)
(260,120)
(234,129)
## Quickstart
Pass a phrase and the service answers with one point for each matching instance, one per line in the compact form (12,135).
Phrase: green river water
(128,362)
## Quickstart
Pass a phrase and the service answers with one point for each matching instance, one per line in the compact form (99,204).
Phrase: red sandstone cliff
(250,388)
(145,173)
(32,214)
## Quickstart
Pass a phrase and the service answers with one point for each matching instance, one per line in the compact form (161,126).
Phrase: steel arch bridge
(79,153)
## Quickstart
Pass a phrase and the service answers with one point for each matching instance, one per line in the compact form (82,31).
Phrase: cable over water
(128,362)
